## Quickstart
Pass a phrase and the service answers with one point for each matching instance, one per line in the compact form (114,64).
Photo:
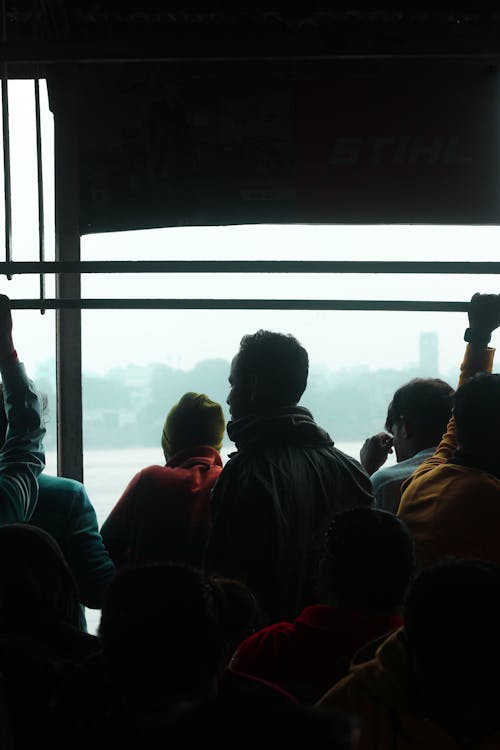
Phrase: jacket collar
(290,425)
(197,453)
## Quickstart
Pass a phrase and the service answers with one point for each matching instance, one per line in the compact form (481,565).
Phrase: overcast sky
(181,338)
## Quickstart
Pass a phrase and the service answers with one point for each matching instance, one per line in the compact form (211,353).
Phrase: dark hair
(452,622)
(477,413)
(279,361)
(426,402)
(242,613)
(370,559)
(36,584)
(161,629)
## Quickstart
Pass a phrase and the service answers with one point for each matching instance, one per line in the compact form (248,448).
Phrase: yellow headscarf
(194,420)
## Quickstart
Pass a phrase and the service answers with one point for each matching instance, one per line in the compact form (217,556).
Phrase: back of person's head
(369,560)
(278,363)
(477,414)
(36,585)
(161,631)
(425,403)
(452,622)
(242,613)
(194,420)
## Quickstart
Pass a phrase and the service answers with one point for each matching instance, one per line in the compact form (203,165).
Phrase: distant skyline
(127,407)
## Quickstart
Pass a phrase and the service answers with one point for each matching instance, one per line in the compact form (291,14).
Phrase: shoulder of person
(53,483)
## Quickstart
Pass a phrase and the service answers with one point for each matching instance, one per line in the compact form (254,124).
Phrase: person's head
(36,584)
(418,415)
(269,371)
(477,415)
(194,420)
(369,561)
(161,631)
(451,626)
(242,614)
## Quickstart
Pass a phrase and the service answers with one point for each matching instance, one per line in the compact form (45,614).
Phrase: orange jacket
(453,510)
(377,693)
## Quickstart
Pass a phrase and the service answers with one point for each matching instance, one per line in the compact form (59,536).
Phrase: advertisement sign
(419,146)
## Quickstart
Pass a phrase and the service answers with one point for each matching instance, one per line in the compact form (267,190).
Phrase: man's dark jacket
(272,503)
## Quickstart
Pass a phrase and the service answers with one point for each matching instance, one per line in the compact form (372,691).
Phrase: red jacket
(310,654)
(164,514)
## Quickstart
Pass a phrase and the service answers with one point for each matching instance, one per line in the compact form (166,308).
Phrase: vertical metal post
(41,213)
(6,149)
(68,321)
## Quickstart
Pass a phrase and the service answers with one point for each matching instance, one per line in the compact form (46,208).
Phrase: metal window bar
(251,266)
(372,267)
(240,304)
(50,54)
(6,173)
(41,215)
(6,148)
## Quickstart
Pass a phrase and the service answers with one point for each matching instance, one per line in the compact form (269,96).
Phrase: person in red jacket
(163,514)
(367,567)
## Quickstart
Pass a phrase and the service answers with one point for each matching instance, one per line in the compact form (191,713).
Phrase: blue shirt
(387,481)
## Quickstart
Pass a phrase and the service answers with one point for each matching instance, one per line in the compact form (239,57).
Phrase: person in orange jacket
(451,502)
(432,684)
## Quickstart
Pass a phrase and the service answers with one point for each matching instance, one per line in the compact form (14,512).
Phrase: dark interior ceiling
(51,30)
(202,114)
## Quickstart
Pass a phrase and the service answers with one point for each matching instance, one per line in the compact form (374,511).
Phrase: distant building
(429,354)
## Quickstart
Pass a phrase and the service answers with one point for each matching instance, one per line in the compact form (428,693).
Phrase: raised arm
(22,458)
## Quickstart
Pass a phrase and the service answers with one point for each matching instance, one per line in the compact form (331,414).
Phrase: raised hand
(484,317)
(374,451)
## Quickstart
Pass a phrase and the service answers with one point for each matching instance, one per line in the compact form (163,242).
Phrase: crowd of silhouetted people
(291,595)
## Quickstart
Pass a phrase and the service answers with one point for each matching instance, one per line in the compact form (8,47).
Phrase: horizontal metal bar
(80,55)
(239,304)
(250,266)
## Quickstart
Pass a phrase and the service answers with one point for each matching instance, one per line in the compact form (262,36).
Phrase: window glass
(137,363)
(299,242)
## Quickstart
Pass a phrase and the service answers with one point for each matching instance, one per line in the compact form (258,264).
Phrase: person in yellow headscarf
(164,514)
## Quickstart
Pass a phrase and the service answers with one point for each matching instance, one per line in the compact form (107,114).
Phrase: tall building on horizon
(429,354)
